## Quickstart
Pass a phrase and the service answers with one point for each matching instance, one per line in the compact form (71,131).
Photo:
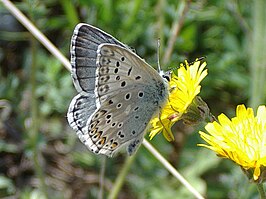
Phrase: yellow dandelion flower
(241,139)
(183,89)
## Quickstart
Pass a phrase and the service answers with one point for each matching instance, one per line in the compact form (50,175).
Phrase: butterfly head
(166,75)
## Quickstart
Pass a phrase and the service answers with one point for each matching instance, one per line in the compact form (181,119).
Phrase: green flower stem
(34,128)
(261,190)
(258,49)
(121,177)
(102,174)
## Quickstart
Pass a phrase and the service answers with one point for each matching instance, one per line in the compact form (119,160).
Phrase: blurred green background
(40,156)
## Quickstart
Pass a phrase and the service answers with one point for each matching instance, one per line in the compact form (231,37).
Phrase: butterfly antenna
(158,56)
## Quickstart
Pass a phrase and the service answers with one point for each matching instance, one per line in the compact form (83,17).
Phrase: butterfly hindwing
(80,109)
(120,123)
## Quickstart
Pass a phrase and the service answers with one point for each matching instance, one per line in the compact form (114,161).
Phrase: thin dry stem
(176,27)
(171,169)
(36,33)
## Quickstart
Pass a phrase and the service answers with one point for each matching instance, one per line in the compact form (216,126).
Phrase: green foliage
(6,186)
(217,30)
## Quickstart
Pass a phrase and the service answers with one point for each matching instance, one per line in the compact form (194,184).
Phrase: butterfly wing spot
(117,64)
(108,116)
(104,88)
(116,70)
(136,108)
(141,94)
(119,105)
(105,61)
(136,117)
(127,96)
(138,77)
(97,136)
(133,132)
(93,125)
(99,114)
(117,77)
(110,102)
(129,71)
(123,83)
(120,125)
(103,70)
(113,145)
(133,146)
(108,121)
(113,124)
(104,79)
(120,134)
(92,131)
(123,58)
(101,142)
(79,123)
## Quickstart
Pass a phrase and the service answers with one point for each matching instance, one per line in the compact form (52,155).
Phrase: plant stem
(258,49)
(121,177)
(36,33)
(102,174)
(171,169)
(176,27)
(261,190)
(34,128)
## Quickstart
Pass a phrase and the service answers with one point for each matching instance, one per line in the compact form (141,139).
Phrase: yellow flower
(183,89)
(241,139)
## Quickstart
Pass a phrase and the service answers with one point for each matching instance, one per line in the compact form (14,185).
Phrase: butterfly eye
(166,77)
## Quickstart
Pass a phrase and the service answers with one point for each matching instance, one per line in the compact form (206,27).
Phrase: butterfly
(118,92)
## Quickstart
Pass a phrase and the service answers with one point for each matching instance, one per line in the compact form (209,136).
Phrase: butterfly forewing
(84,45)
(128,93)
